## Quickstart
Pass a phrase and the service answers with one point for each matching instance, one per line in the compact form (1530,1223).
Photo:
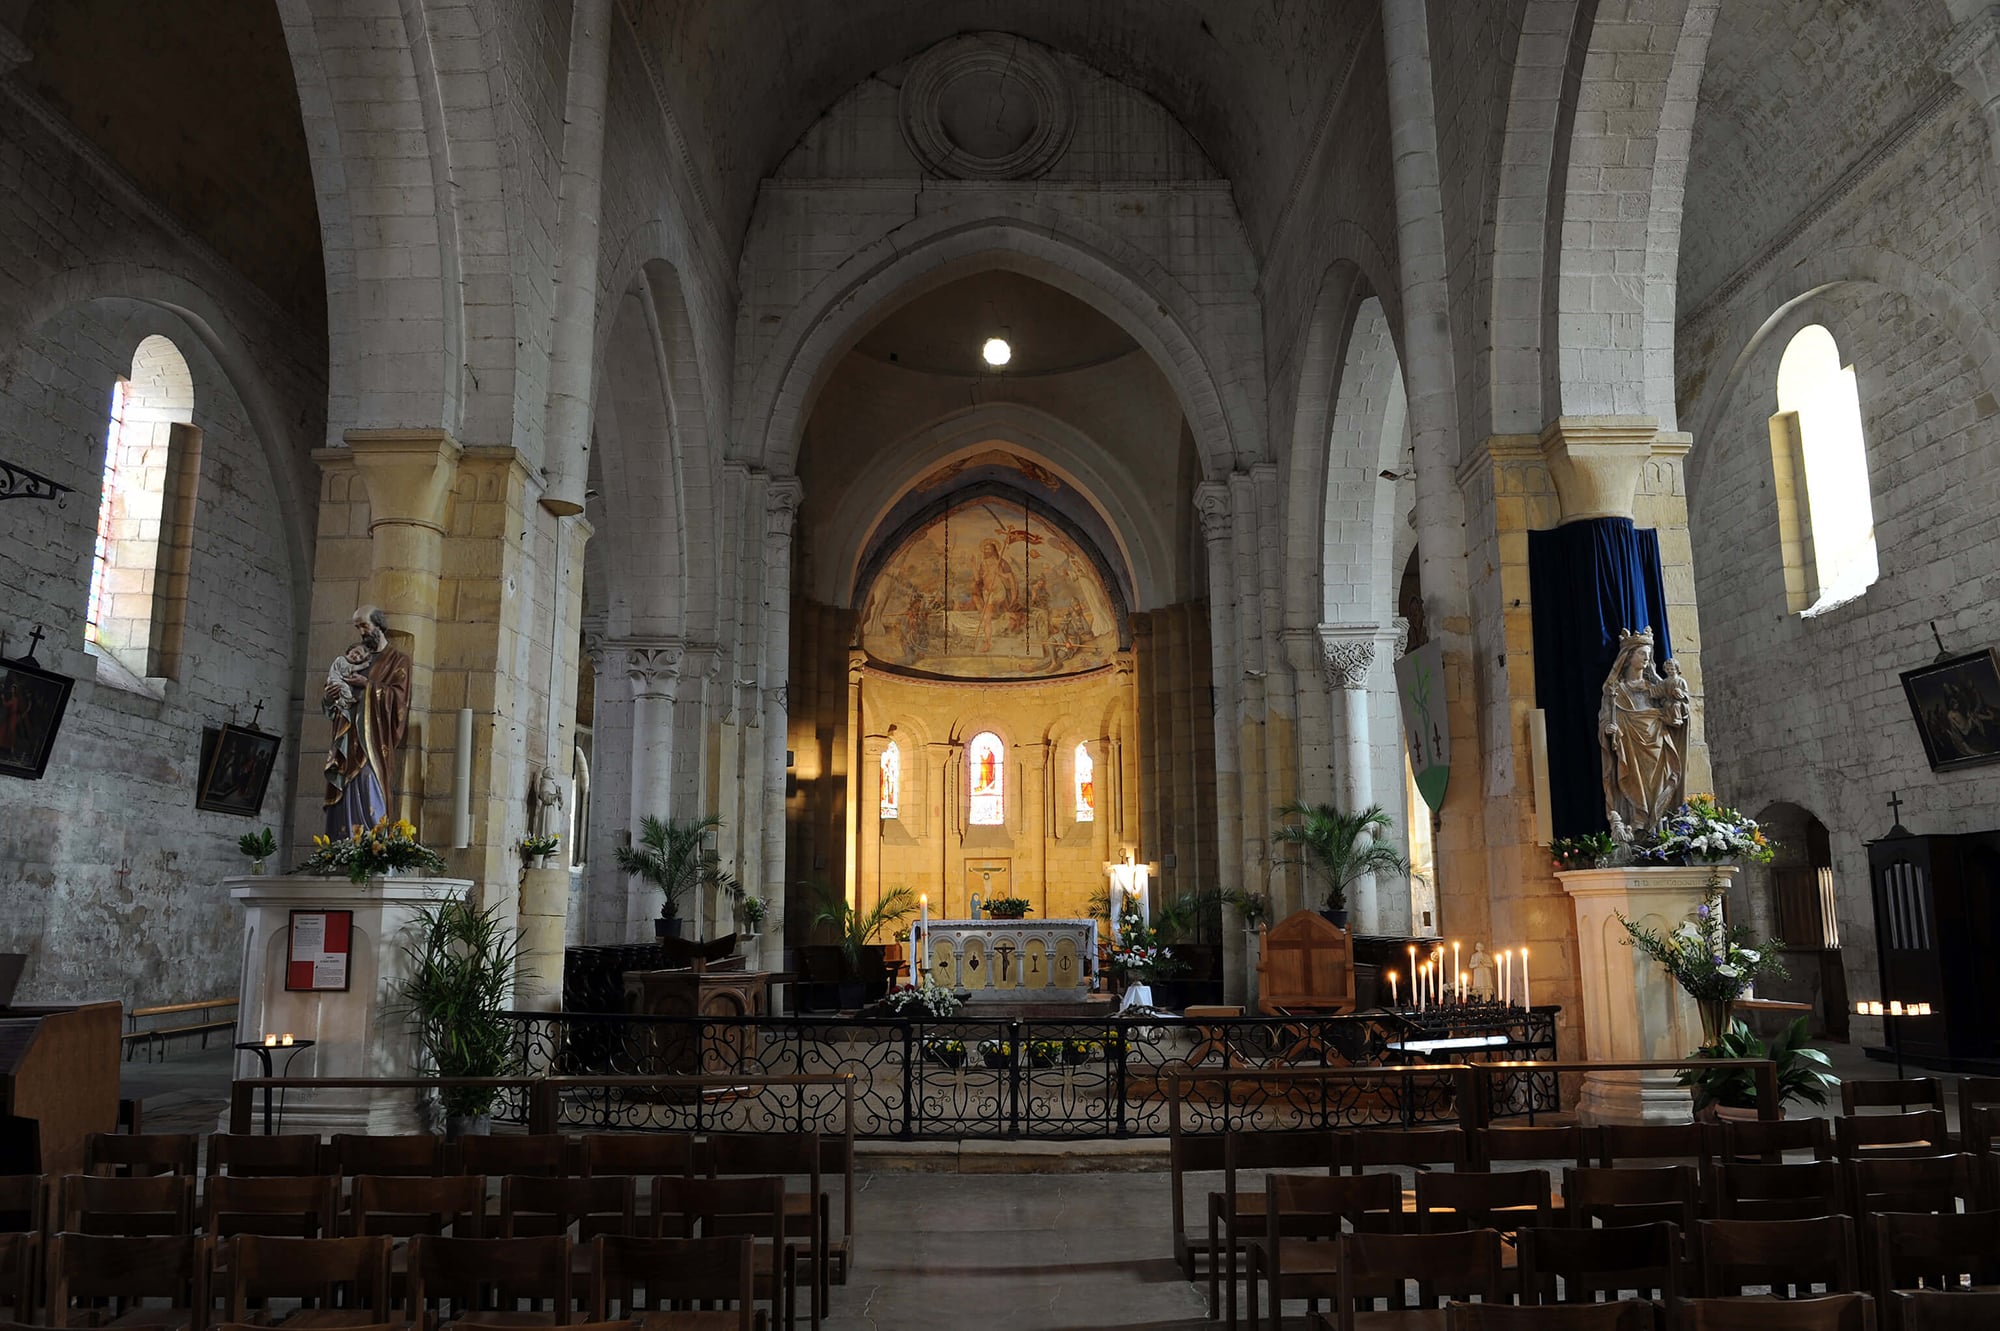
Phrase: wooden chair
(1632,1195)
(1296,1249)
(1767,1139)
(1910,1183)
(1919,1132)
(485,1280)
(1457,1266)
(419,1155)
(300,1208)
(1979,1128)
(548,1155)
(677,1273)
(24,1202)
(1623,1143)
(1578,1264)
(646,1154)
(346,1280)
(1235,1215)
(1909,1093)
(808,1213)
(146,1204)
(1832,1312)
(1914,1250)
(1469,1199)
(1189,1154)
(531,1204)
(141,1153)
(123,1272)
(622,1324)
(1415,1148)
(1297,1252)
(20,1263)
(836,1157)
(1974,1095)
(1933,1310)
(1783,1254)
(753,1208)
(1565,1146)
(253,1155)
(1625,1315)
(406,1207)
(1305,965)
(1779,1192)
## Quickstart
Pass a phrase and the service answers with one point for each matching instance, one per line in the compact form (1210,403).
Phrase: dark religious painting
(31,710)
(1957,706)
(236,764)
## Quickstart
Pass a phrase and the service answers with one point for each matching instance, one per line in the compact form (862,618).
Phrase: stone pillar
(1348,652)
(655,672)
(694,736)
(1213,508)
(781,506)
(856,668)
(1632,1008)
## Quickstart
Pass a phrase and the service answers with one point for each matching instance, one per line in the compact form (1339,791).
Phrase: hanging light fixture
(997,352)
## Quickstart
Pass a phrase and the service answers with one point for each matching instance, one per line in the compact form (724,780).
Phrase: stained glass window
(892,780)
(987,758)
(1086,785)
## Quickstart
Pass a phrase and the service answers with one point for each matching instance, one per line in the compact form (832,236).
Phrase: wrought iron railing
(1028,1077)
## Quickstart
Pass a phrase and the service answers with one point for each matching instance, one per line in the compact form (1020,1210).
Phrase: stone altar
(1020,961)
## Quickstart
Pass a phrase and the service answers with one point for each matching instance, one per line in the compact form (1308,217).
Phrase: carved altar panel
(1013,960)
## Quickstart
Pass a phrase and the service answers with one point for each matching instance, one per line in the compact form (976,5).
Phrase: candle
(1860,1007)
(1392,990)
(1454,966)
(285,1039)
(1527,998)
(1506,965)
(1463,977)
(272,1039)
(1895,1007)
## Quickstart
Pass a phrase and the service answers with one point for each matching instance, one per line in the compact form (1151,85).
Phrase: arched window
(145,514)
(986,757)
(1086,785)
(1819,462)
(892,780)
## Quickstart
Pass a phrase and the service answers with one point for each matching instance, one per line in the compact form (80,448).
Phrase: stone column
(1348,652)
(654,670)
(781,506)
(1213,508)
(693,795)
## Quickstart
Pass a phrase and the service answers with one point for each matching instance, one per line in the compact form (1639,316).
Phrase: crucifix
(1895,803)
(254,716)
(34,641)
(1006,951)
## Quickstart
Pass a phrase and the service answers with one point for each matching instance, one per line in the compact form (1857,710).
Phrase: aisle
(1015,1252)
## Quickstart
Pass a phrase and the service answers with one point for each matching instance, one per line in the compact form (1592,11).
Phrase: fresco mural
(990,590)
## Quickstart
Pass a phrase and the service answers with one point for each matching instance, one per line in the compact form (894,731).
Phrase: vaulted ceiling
(1248,78)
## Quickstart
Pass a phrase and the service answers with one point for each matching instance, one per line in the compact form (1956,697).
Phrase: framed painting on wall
(1956,703)
(32,702)
(236,763)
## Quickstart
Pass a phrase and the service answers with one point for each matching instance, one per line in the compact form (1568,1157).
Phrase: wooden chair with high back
(1562,1146)
(1236,1214)
(1297,1250)
(808,1213)
(345,1282)
(1934,1310)
(1918,1132)
(531,1204)
(254,1155)
(1734,1255)
(1305,965)
(675,1275)
(752,1208)
(1914,1250)
(1904,1095)
(1633,1195)
(1911,1183)
(24,1202)
(1368,1149)
(1576,1264)
(20,1268)
(418,1155)
(1974,1095)
(1189,1154)
(1767,1140)
(123,1272)
(147,1204)
(548,1154)
(300,1208)
(1463,1265)
(141,1153)
(836,1160)
(486,1280)
(1504,1200)
(1830,1312)
(1779,1192)
(1625,1315)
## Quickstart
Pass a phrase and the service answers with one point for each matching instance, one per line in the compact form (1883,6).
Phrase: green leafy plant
(1593,850)
(533,846)
(673,855)
(1713,960)
(461,962)
(1190,917)
(258,845)
(1008,908)
(1254,907)
(372,851)
(858,928)
(753,911)
(1805,1074)
(1341,848)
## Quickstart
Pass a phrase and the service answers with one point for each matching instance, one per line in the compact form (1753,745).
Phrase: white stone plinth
(1632,1009)
(356,1034)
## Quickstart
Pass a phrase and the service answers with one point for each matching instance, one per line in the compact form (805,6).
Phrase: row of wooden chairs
(1920,1310)
(172,1282)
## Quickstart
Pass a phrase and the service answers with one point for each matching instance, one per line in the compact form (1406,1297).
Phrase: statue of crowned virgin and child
(1642,726)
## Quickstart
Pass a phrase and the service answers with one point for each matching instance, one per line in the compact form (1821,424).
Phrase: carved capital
(1211,506)
(655,670)
(1595,462)
(1347,654)
(781,507)
(409,475)
(1401,624)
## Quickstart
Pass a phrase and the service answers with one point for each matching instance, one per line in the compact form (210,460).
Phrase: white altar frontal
(1022,961)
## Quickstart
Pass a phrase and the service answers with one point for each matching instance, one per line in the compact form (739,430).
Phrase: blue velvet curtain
(1588,579)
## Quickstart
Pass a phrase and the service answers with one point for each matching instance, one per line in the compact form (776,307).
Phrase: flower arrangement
(387,847)
(257,847)
(1138,957)
(944,1051)
(929,999)
(1593,850)
(1008,908)
(996,1053)
(1703,832)
(535,846)
(1254,907)
(753,911)
(1708,957)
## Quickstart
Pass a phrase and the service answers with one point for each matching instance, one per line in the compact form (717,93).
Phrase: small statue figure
(367,697)
(545,803)
(1484,976)
(1642,738)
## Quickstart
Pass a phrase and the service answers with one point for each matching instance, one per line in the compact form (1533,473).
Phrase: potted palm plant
(461,962)
(1341,848)
(673,855)
(861,953)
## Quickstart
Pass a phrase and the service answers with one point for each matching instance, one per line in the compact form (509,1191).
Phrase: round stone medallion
(987,106)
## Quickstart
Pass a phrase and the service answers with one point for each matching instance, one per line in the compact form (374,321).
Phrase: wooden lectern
(1305,965)
(59,1067)
(706,989)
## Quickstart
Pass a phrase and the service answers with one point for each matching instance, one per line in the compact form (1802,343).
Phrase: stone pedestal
(1632,1008)
(543,918)
(358,1034)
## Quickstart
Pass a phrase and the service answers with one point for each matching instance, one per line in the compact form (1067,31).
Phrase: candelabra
(1892,1019)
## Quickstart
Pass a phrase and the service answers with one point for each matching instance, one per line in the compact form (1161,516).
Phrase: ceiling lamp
(996,352)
